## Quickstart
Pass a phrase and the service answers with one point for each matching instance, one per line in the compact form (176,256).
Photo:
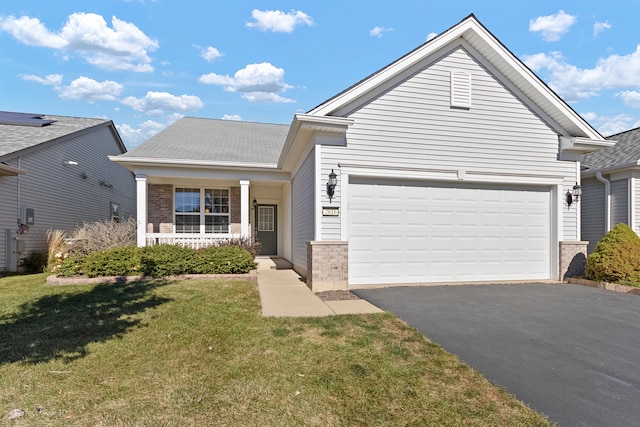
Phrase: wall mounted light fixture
(69,163)
(331,184)
(574,194)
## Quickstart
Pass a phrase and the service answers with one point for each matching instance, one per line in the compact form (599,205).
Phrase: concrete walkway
(284,294)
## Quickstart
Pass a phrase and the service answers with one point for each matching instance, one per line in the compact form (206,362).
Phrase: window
(115,212)
(199,210)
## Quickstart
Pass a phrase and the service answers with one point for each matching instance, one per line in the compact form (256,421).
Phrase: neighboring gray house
(611,188)
(55,174)
(449,165)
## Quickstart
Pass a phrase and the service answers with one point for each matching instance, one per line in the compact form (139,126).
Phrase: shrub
(36,262)
(165,260)
(122,261)
(56,245)
(224,260)
(616,257)
(101,235)
(69,266)
(244,242)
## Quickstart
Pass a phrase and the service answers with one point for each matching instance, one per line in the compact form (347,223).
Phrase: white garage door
(404,232)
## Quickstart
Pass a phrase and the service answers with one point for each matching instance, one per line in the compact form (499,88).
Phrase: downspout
(18,192)
(607,201)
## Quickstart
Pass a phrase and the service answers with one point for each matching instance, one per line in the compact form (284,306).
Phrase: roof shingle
(624,152)
(212,140)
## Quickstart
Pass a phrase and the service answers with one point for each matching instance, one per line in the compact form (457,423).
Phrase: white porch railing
(195,241)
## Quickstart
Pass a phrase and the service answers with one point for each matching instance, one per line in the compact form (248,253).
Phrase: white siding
(302,211)
(60,196)
(637,205)
(619,202)
(412,127)
(592,206)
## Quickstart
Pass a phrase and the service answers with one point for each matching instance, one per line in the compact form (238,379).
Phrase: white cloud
(156,103)
(48,80)
(599,27)
(267,97)
(552,26)
(121,47)
(630,98)
(86,89)
(257,82)
(278,21)
(379,31)
(209,53)
(431,36)
(233,117)
(611,125)
(573,83)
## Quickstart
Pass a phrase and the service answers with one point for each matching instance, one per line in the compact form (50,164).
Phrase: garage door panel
(425,233)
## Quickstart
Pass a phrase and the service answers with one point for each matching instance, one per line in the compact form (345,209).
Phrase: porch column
(141,209)
(244,208)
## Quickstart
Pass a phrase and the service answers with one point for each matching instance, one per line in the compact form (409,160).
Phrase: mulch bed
(336,295)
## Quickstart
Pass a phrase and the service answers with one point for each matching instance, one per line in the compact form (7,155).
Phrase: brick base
(573,259)
(327,265)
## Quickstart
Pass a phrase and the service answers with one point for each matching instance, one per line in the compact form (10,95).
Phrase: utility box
(27,216)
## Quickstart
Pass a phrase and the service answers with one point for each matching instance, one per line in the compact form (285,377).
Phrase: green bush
(224,260)
(122,261)
(616,257)
(69,266)
(36,262)
(166,260)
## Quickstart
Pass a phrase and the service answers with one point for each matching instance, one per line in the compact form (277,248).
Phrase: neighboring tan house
(55,174)
(451,165)
(611,188)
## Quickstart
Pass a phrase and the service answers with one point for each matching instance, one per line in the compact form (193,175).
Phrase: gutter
(607,201)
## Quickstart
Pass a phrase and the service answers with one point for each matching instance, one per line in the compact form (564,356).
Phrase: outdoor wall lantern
(331,184)
(255,203)
(574,194)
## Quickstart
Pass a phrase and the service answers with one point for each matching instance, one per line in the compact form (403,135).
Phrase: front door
(267,229)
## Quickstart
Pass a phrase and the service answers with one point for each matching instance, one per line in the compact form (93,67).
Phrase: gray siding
(592,206)
(619,202)
(413,127)
(302,211)
(59,195)
(330,224)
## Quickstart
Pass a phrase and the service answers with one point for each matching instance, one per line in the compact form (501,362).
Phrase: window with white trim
(201,210)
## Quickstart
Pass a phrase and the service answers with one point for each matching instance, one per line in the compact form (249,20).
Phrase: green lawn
(198,352)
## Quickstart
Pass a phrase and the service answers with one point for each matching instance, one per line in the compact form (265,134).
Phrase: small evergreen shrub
(36,262)
(224,260)
(167,260)
(69,266)
(616,257)
(122,261)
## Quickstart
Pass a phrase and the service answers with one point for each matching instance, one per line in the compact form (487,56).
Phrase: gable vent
(460,90)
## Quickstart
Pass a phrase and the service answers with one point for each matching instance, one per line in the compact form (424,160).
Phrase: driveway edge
(615,287)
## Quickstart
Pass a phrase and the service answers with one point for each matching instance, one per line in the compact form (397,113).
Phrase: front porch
(204,212)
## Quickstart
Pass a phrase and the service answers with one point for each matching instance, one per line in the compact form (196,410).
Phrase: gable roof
(625,153)
(472,33)
(15,137)
(194,140)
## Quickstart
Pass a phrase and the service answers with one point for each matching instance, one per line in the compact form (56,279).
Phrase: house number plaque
(330,211)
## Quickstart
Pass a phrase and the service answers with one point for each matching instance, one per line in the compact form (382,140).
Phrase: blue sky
(146,63)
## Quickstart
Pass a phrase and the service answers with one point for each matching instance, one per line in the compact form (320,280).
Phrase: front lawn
(198,352)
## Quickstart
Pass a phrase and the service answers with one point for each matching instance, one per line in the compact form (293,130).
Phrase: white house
(451,165)
(55,174)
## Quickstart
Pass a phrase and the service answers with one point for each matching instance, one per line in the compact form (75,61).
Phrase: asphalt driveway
(568,351)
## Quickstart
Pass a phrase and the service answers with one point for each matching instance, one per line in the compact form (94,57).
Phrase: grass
(198,352)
